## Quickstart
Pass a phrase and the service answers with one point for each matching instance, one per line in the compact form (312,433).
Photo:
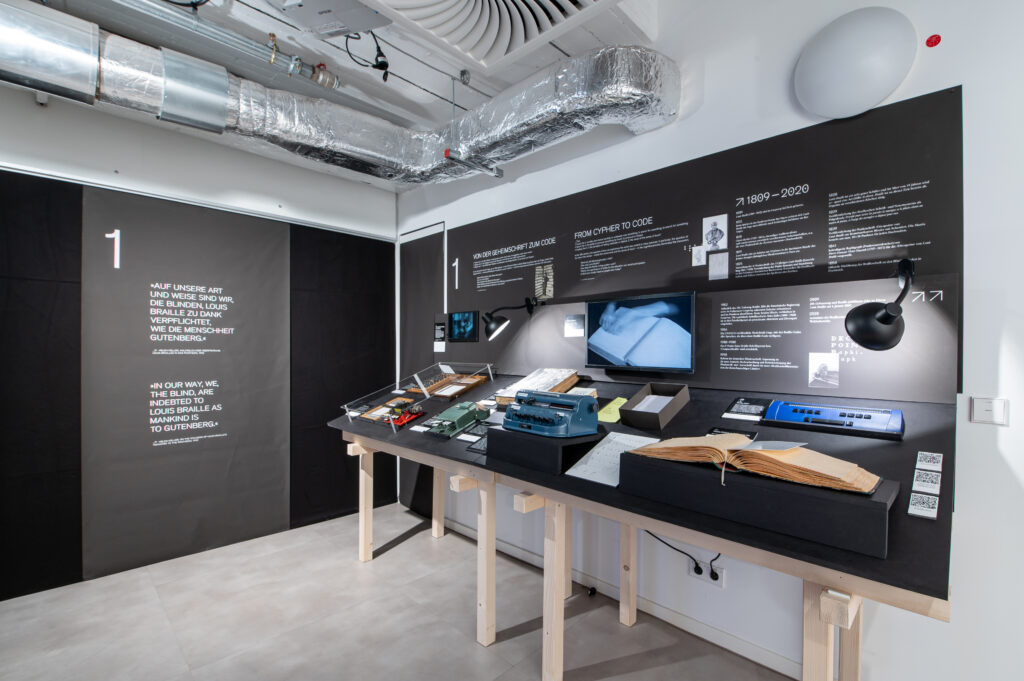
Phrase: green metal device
(456,419)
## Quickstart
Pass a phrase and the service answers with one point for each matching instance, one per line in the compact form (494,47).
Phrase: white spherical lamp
(855,62)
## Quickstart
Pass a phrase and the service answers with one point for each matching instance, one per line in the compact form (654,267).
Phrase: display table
(914,576)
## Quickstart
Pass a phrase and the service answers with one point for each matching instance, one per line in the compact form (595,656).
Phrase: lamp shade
(855,62)
(876,326)
(493,325)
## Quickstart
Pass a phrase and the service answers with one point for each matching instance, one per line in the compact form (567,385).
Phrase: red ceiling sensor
(933,40)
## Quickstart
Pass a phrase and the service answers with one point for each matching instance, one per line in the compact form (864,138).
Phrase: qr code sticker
(927,481)
(929,461)
(924,505)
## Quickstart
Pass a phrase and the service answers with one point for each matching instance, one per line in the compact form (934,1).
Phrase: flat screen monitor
(464,327)
(643,333)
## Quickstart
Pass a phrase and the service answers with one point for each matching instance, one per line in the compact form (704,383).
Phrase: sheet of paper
(773,445)
(610,412)
(419,429)
(445,369)
(468,438)
(601,464)
(653,403)
(438,346)
(449,390)
(378,412)
(397,392)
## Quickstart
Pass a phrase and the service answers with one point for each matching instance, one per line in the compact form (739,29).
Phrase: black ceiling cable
(356,36)
(194,4)
(431,66)
(380,60)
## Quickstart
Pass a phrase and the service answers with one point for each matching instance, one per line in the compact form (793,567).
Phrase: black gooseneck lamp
(494,323)
(880,326)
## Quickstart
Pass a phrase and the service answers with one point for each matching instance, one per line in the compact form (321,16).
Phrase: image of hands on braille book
(644,333)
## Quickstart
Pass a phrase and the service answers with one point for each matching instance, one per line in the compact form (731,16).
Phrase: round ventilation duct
(855,62)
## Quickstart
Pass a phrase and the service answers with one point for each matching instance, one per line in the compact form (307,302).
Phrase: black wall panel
(40,406)
(343,346)
(422,295)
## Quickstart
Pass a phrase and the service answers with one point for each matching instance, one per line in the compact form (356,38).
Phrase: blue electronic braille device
(886,424)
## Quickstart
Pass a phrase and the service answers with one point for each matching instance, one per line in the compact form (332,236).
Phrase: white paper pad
(929,461)
(601,464)
(419,429)
(924,505)
(927,481)
(469,438)
(653,403)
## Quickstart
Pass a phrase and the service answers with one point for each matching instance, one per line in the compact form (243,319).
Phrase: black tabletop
(918,557)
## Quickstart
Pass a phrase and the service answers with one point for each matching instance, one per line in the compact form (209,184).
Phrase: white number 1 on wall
(455,264)
(116,236)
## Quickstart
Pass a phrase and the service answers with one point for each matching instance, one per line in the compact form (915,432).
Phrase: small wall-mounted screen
(463,327)
(646,333)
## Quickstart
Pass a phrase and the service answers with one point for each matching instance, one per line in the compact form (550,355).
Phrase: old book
(796,464)
(549,380)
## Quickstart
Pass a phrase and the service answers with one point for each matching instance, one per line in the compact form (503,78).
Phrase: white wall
(71,141)
(748,50)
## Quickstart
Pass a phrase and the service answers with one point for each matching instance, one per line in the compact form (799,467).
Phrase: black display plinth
(847,520)
(553,455)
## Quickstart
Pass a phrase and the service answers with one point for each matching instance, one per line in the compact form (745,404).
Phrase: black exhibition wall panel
(185,379)
(342,347)
(421,295)
(40,421)
(779,238)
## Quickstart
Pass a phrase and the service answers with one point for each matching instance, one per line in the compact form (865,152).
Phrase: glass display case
(402,402)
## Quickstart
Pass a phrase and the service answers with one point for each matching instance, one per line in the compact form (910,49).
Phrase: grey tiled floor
(298,605)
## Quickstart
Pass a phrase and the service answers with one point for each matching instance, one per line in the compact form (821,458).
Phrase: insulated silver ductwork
(632,86)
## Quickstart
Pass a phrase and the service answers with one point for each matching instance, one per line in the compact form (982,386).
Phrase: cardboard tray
(847,520)
(651,420)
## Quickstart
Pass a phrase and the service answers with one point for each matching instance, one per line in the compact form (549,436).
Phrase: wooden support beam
(462,483)
(486,593)
(627,574)
(839,609)
(819,637)
(849,650)
(365,505)
(437,511)
(524,502)
(568,551)
(552,660)
(358,450)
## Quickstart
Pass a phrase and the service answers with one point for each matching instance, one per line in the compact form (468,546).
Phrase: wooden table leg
(554,590)
(437,514)
(485,555)
(365,500)
(849,651)
(841,610)
(627,574)
(819,637)
(568,551)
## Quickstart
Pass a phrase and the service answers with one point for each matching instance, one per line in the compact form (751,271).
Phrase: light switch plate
(990,410)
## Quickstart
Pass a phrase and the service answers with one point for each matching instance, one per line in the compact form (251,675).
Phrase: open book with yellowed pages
(796,464)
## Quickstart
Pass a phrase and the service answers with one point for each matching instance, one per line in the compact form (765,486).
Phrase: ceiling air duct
(52,52)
